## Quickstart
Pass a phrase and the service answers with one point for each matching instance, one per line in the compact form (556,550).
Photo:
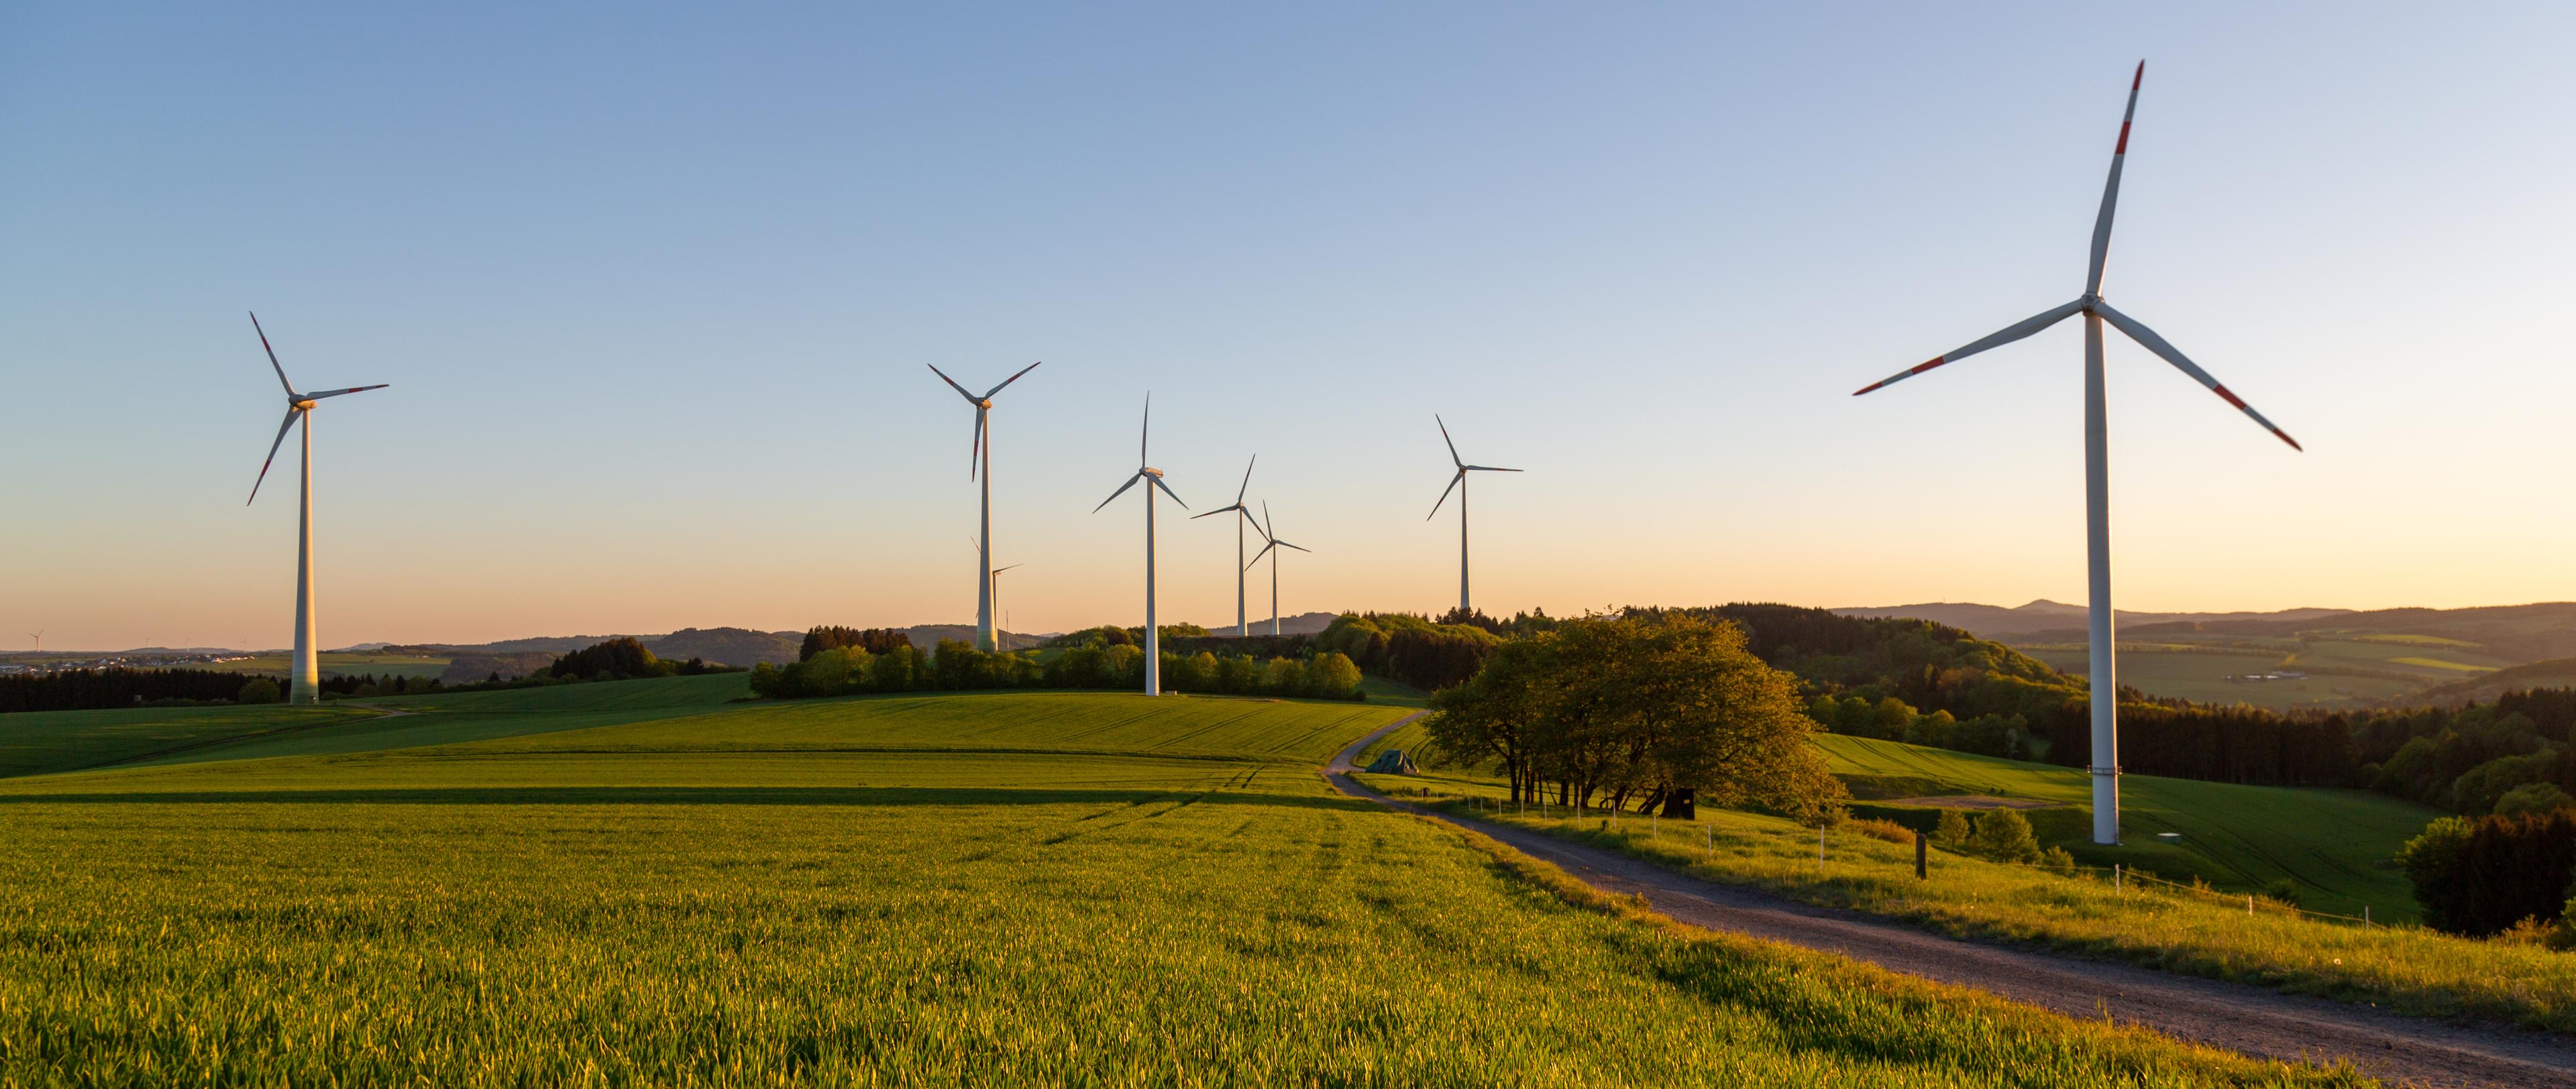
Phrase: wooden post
(1922,857)
(2116,885)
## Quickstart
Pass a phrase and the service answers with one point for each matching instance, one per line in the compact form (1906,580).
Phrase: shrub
(1952,830)
(259,690)
(1879,828)
(2057,859)
(1333,675)
(2004,835)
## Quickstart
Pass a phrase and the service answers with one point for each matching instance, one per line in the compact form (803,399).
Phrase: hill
(2056,618)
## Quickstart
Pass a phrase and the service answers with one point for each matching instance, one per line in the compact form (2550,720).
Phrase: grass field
(335,665)
(65,740)
(2344,669)
(1003,889)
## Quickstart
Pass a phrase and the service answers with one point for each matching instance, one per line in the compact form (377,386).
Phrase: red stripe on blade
(2231,398)
(2123,147)
(1922,367)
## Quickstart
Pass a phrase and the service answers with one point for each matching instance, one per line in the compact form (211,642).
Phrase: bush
(259,690)
(1877,828)
(2057,859)
(2283,891)
(1952,831)
(2004,835)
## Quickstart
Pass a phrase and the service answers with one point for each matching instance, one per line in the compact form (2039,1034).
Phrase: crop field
(335,665)
(1004,889)
(64,740)
(2202,675)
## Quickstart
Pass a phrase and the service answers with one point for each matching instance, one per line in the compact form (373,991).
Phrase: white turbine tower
(1242,623)
(1458,483)
(1153,635)
(979,466)
(1002,634)
(2097,505)
(305,673)
(1270,548)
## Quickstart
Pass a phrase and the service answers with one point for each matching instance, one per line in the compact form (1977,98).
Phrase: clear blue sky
(655,289)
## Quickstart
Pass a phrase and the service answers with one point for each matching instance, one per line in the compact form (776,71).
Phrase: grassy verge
(2404,968)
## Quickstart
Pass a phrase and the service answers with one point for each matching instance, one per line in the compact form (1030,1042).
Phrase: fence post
(2365,915)
(2117,886)
(1820,846)
(2249,903)
(1709,834)
(1654,826)
(1922,857)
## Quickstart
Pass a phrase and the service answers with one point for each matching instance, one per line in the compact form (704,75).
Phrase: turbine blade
(1256,557)
(1247,480)
(1167,490)
(952,383)
(338,392)
(1266,523)
(2007,335)
(2111,189)
(1015,376)
(1147,430)
(1453,443)
(273,364)
(2147,338)
(1122,490)
(291,415)
(1444,492)
(1219,510)
(999,570)
(975,452)
(1488,469)
(1300,548)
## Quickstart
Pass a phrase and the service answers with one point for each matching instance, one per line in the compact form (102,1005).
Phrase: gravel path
(2238,1017)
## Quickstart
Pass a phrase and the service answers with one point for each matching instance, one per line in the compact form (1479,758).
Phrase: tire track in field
(2236,1017)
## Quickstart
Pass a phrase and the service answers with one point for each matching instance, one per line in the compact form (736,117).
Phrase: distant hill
(2056,617)
(1300,624)
(2548,673)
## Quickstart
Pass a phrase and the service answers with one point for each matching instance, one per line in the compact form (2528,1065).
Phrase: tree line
(2486,875)
(1098,663)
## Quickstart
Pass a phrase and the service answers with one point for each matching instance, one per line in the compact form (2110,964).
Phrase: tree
(259,690)
(1333,676)
(2004,835)
(1284,677)
(2531,798)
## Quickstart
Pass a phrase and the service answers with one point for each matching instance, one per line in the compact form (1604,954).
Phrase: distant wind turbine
(1458,483)
(979,466)
(39,637)
(1242,623)
(1270,548)
(1001,633)
(1153,634)
(2097,501)
(305,672)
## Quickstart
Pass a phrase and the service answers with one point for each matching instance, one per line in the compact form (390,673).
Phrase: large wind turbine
(1153,634)
(1269,548)
(979,466)
(1001,634)
(2097,506)
(305,674)
(1242,623)
(1458,483)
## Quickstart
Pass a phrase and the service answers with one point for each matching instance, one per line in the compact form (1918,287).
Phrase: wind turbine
(1273,543)
(1153,635)
(979,466)
(2097,506)
(304,673)
(39,637)
(1458,483)
(1002,634)
(1242,624)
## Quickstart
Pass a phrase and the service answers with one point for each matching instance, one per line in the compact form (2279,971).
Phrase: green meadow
(334,665)
(1057,888)
(2338,859)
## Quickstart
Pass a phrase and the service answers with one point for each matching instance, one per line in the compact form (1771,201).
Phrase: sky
(655,287)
